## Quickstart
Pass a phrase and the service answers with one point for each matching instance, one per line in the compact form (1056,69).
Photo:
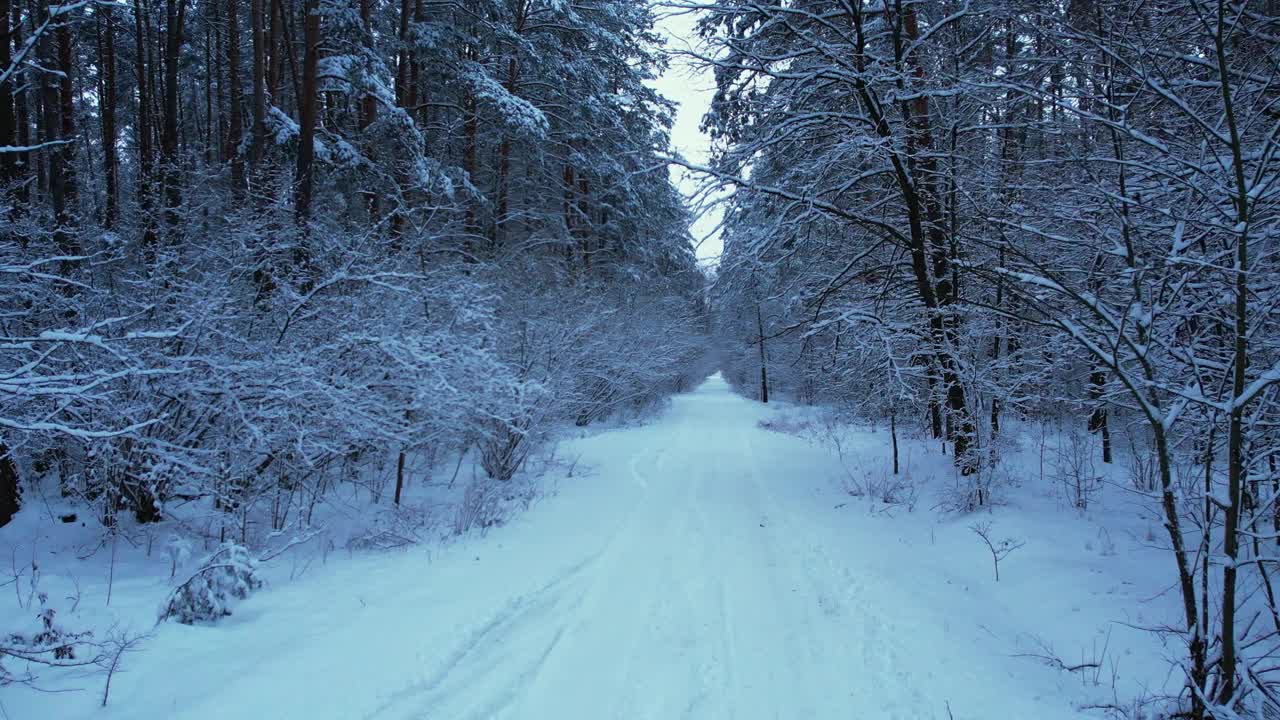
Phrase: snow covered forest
(246,247)
(326,324)
(1032,210)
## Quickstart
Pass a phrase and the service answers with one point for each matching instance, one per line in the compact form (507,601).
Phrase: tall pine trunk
(146,171)
(235,132)
(10,491)
(305,175)
(8,124)
(258,147)
(107,111)
(21,111)
(60,182)
(175,17)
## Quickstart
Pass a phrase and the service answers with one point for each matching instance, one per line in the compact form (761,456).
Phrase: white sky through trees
(692,87)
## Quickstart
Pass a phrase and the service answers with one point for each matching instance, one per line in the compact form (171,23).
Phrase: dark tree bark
(764,362)
(510,84)
(274,54)
(146,200)
(60,182)
(21,112)
(305,176)
(567,212)
(893,436)
(399,477)
(235,132)
(10,490)
(1237,463)
(258,148)
(405,57)
(915,172)
(368,103)
(107,111)
(584,222)
(1098,417)
(67,113)
(8,128)
(175,18)
(929,240)
(415,67)
(470,150)
(212,132)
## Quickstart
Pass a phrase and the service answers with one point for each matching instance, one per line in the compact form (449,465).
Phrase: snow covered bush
(49,645)
(1075,469)
(227,575)
(480,507)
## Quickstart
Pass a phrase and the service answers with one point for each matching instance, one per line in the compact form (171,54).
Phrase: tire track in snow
(480,644)
(496,665)
(709,598)
(843,609)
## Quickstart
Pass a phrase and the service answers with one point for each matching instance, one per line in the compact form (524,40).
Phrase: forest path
(703,582)
(705,595)
(698,566)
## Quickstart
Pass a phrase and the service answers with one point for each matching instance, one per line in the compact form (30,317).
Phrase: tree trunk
(893,436)
(399,478)
(915,172)
(585,228)
(175,17)
(21,112)
(10,490)
(107,110)
(144,132)
(368,103)
(1098,418)
(405,56)
(274,52)
(8,129)
(503,208)
(764,373)
(470,142)
(931,248)
(235,131)
(213,144)
(67,112)
(1275,493)
(50,46)
(935,409)
(305,177)
(567,212)
(258,148)
(1237,469)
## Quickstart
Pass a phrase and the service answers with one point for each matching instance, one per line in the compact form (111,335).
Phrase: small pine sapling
(229,574)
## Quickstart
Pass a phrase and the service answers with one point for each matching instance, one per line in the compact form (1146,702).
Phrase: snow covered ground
(700,566)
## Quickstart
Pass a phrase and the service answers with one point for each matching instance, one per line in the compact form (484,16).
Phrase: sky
(692,87)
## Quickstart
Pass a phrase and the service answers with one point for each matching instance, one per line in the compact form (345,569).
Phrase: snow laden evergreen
(344,231)
(227,575)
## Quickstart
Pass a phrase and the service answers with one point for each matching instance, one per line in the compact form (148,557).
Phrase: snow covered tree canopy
(965,214)
(250,247)
(247,242)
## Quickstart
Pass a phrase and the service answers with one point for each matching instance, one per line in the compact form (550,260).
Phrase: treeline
(248,245)
(950,214)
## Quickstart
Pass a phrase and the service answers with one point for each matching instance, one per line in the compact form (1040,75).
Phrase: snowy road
(701,585)
(701,567)
(706,596)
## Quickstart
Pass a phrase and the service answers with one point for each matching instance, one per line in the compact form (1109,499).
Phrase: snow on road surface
(700,569)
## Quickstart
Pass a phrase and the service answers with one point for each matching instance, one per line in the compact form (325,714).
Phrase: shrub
(50,645)
(229,574)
